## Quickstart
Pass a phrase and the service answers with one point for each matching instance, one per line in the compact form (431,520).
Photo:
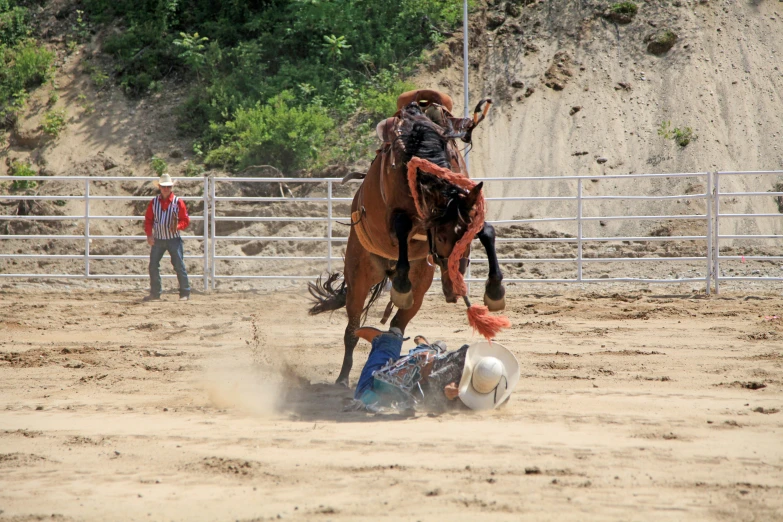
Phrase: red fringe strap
(485,324)
(479,317)
(476,221)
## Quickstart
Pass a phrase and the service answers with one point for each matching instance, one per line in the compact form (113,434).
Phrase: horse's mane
(419,136)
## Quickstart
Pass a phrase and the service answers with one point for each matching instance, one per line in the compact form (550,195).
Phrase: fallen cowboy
(481,375)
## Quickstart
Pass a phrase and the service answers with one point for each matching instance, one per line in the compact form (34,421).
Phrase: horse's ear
(473,195)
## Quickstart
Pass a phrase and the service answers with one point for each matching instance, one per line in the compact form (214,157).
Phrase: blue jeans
(384,347)
(175,250)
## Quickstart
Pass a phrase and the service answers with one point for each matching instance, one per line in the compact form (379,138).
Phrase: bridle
(437,258)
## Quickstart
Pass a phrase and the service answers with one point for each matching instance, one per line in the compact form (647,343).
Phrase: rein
(476,223)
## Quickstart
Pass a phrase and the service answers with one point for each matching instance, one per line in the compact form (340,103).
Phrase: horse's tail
(328,298)
(375,293)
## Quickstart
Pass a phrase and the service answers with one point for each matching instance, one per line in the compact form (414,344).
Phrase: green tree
(192,51)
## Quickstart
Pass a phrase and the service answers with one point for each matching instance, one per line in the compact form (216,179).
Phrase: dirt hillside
(579,94)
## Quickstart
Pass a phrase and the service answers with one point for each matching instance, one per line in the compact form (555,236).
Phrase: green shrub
(276,134)
(351,56)
(80,29)
(626,8)
(144,54)
(192,51)
(159,165)
(53,122)
(98,78)
(192,170)
(14,23)
(681,137)
(379,99)
(21,169)
(22,67)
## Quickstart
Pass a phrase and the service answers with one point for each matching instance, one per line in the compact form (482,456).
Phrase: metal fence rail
(87,197)
(320,201)
(717,257)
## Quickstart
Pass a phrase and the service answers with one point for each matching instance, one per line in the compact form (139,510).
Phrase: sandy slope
(631,406)
(722,78)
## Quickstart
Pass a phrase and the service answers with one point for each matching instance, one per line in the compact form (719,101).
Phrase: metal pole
(213,212)
(716,245)
(86,228)
(465,64)
(709,232)
(579,230)
(329,226)
(205,213)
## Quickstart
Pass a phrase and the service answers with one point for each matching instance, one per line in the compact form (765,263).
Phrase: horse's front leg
(401,292)
(494,293)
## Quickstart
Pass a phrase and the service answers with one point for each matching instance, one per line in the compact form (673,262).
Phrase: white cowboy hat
(165,181)
(490,375)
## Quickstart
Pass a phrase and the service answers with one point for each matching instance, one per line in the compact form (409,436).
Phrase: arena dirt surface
(637,405)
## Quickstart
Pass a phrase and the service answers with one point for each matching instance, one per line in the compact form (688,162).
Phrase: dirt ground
(632,405)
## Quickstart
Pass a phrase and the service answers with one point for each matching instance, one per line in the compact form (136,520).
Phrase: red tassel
(485,324)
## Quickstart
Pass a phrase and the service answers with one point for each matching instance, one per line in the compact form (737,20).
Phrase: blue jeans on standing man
(175,250)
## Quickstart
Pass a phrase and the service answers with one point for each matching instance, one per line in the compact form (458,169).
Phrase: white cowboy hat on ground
(165,181)
(490,375)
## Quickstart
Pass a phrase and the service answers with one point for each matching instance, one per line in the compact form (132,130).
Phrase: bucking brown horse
(415,205)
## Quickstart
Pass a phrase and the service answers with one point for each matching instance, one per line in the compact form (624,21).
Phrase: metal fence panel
(225,223)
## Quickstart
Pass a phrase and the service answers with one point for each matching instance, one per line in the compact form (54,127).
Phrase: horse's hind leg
(494,293)
(401,294)
(421,275)
(361,273)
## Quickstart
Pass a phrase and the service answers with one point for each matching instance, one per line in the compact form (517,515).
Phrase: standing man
(166,215)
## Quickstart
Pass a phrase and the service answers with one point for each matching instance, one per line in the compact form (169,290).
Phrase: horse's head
(449,212)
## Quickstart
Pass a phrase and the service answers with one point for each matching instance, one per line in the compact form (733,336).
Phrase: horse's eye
(457,229)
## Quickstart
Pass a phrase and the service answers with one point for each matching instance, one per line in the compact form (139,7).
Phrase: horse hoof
(400,300)
(342,381)
(495,305)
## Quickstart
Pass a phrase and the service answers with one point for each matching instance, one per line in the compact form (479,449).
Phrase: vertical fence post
(716,243)
(212,214)
(205,213)
(329,225)
(87,227)
(579,230)
(465,69)
(709,232)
